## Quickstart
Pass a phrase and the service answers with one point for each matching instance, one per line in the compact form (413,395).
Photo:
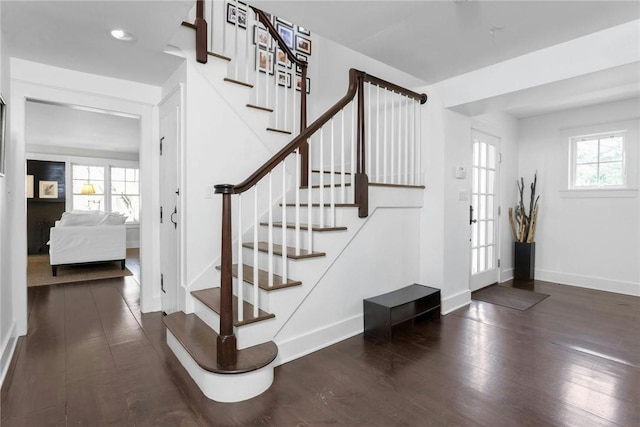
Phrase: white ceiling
(75,35)
(54,128)
(432,40)
(436,40)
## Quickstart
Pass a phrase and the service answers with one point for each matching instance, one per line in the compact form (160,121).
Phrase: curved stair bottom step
(225,388)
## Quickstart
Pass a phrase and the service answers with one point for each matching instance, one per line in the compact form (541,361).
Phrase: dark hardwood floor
(91,358)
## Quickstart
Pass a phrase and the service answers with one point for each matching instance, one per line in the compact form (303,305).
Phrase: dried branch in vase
(523,223)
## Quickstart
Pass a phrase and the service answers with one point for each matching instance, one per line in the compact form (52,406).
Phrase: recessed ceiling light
(122,35)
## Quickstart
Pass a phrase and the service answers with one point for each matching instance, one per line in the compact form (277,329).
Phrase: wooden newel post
(227,350)
(361,181)
(201,33)
(304,148)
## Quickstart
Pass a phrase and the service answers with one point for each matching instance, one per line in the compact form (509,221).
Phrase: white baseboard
(506,274)
(294,348)
(151,304)
(6,351)
(455,302)
(589,282)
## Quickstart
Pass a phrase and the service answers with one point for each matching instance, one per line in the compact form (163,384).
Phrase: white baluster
(275,94)
(235,41)
(321,177)
(270,228)
(246,47)
(257,85)
(354,139)
(369,119)
(284,223)
(297,186)
(392,153)
(332,193)
(385,153)
(419,145)
(256,277)
(377,134)
(240,262)
(343,172)
(406,140)
(412,126)
(310,202)
(224,30)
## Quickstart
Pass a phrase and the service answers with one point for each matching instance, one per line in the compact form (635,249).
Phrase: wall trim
(7,350)
(506,275)
(589,282)
(455,302)
(318,339)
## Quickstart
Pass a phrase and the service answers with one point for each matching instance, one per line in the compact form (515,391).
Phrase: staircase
(313,194)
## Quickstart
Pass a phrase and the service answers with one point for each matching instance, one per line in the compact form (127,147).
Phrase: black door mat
(519,299)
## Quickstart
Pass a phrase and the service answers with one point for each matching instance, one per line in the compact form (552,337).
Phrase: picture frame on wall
(287,35)
(282,59)
(3,137)
(264,61)
(48,189)
(284,79)
(303,44)
(303,31)
(284,22)
(29,186)
(238,15)
(299,84)
(302,58)
(261,36)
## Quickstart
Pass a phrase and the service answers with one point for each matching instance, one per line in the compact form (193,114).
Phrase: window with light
(125,192)
(88,187)
(598,161)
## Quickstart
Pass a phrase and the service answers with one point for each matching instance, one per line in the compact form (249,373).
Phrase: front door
(483,212)
(169,196)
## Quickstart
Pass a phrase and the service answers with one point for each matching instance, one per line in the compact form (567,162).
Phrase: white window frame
(107,183)
(111,195)
(573,166)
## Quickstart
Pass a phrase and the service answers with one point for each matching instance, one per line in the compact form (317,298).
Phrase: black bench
(383,312)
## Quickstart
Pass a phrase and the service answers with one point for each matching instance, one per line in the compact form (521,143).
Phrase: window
(107,188)
(598,161)
(125,192)
(88,187)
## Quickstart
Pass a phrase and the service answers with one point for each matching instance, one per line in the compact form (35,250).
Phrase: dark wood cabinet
(42,213)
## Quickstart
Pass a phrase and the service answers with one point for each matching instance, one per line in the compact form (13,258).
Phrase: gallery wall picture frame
(3,135)
(303,44)
(29,186)
(261,37)
(284,79)
(237,15)
(48,189)
(284,22)
(303,31)
(282,59)
(264,61)
(287,34)
(303,58)
(299,84)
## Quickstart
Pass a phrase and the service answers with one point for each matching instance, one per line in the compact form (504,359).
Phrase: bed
(80,237)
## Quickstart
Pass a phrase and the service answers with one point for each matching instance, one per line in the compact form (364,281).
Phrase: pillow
(113,219)
(70,219)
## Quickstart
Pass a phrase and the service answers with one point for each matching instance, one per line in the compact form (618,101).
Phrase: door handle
(175,211)
(471,220)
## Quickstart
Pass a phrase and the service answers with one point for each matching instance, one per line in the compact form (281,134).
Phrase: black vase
(524,261)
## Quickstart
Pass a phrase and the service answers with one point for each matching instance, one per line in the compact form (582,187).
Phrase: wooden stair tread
(291,225)
(326,205)
(211,298)
(257,107)
(304,187)
(238,82)
(279,131)
(201,342)
(334,172)
(263,278)
(291,252)
(377,184)
(217,55)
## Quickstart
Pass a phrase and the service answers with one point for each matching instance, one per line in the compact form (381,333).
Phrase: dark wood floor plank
(92,358)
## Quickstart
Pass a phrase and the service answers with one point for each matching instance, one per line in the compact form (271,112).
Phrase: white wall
(585,239)
(8,330)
